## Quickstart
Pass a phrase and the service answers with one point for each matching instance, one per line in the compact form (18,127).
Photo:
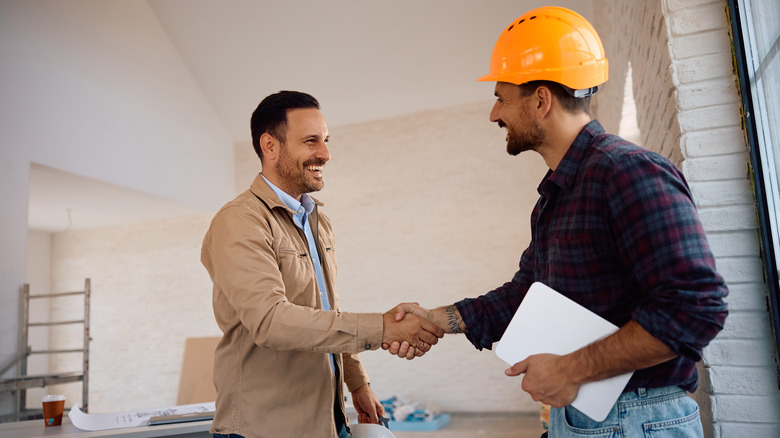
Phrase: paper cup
(53,406)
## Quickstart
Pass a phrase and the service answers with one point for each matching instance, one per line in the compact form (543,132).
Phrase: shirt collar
(305,206)
(567,168)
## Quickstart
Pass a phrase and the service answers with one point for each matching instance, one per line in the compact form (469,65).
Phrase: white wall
(149,293)
(96,88)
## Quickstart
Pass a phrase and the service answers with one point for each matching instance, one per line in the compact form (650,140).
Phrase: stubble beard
(529,139)
(297,178)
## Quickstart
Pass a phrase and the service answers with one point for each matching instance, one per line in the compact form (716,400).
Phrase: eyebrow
(315,137)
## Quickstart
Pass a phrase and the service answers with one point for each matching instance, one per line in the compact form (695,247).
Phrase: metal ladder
(22,381)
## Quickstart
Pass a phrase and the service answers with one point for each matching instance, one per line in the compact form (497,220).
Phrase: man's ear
(270,146)
(543,99)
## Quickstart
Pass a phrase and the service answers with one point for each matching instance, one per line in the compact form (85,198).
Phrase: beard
(525,139)
(297,178)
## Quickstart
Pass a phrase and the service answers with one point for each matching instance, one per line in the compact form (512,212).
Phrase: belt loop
(642,392)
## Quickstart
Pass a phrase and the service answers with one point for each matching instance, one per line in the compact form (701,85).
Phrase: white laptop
(548,322)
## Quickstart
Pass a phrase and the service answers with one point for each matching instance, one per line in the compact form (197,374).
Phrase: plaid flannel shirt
(615,229)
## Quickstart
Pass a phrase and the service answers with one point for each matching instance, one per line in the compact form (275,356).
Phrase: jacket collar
(262,190)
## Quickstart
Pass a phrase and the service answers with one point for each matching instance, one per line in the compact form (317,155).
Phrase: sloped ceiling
(363,59)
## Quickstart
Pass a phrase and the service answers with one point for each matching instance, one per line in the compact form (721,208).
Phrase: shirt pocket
(328,258)
(297,272)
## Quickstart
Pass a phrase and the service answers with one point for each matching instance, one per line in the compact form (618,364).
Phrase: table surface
(36,429)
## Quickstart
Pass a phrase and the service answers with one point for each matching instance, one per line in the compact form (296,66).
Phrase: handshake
(410,330)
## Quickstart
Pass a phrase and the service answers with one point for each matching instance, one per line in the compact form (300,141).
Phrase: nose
(494,113)
(323,152)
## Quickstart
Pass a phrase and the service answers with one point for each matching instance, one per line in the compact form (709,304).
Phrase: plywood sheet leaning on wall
(197,384)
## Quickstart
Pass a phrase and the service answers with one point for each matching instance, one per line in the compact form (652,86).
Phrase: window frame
(762,167)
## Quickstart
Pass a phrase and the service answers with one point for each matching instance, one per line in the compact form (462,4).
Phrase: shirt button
(368,346)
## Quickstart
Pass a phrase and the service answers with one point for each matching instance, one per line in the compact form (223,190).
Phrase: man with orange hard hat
(615,230)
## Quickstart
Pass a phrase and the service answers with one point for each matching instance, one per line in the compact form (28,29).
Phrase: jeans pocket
(684,427)
(573,423)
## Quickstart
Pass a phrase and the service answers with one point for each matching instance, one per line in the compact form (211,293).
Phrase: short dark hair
(271,115)
(569,103)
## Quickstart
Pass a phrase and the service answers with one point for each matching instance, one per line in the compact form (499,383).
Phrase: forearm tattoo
(454,321)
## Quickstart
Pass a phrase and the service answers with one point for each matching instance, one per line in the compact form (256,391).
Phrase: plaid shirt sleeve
(657,231)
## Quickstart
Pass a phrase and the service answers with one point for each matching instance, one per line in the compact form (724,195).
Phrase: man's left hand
(368,407)
(547,379)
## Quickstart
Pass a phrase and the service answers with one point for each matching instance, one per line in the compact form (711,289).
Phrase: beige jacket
(271,367)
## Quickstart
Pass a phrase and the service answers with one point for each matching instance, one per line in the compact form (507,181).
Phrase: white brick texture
(746,409)
(739,353)
(722,192)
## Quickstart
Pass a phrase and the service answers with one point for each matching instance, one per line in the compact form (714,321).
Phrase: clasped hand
(407,327)
(424,333)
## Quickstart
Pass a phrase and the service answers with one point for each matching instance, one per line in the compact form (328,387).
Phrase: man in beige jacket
(286,349)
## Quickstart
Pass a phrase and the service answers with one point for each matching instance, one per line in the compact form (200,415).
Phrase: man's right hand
(415,331)
(446,317)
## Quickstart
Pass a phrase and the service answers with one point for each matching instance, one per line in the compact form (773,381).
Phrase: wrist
(576,367)
(448,318)
(438,317)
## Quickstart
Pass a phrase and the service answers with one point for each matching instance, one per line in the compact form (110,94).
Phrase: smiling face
(298,166)
(512,111)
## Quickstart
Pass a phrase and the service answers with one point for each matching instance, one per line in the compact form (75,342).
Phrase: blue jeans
(342,434)
(644,413)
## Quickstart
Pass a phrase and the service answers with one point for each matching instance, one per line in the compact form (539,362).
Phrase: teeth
(315,168)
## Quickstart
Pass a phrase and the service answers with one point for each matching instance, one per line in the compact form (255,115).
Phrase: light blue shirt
(300,218)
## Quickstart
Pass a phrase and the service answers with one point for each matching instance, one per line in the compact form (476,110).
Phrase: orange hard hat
(551,44)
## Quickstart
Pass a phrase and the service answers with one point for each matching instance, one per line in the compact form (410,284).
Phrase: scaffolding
(22,382)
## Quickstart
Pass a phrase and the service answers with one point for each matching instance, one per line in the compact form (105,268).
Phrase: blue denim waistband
(650,393)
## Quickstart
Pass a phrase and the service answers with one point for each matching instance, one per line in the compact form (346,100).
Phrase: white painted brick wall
(715,167)
(746,409)
(747,296)
(708,118)
(716,141)
(149,293)
(713,193)
(729,217)
(680,55)
(739,353)
(737,380)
